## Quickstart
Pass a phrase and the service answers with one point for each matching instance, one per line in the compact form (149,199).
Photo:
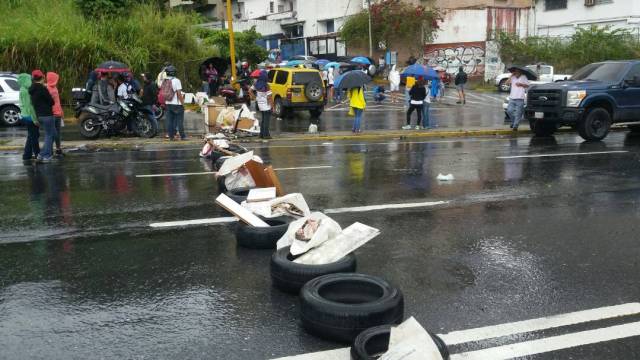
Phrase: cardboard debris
(235,163)
(258,174)
(288,205)
(244,123)
(261,194)
(211,113)
(410,341)
(338,246)
(218,100)
(328,229)
(238,211)
(271,174)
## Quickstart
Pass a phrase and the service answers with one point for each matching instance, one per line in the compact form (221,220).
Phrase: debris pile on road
(222,119)
(314,257)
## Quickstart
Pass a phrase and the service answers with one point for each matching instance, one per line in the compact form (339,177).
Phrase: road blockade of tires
(340,306)
(373,342)
(253,237)
(290,277)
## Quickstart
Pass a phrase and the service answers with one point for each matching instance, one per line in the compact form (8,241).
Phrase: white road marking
(213,172)
(383,207)
(176,174)
(489,332)
(563,154)
(220,220)
(223,220)
(553,343)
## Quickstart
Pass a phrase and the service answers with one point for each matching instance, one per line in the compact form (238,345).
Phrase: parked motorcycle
(232,96)
(112,119)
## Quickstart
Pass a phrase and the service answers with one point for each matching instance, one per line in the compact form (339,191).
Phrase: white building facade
(562,17)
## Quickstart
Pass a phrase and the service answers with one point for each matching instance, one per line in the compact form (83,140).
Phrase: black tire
(315,113)
(313,91)
(278,108)
(290,277)
(144,127)
(221,186)
(595,125)
(237,149)
(634,128)
(10,115)
(252,237)
(239,194)
(340,306)
(87,129)
(503,86)
(158,112)
(218,162)
(541,128)
(373,342)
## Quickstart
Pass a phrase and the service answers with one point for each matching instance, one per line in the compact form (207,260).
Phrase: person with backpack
(171,95)
(29,118)
(461,81)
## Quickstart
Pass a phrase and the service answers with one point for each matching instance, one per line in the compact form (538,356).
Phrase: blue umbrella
(322,62)
(351,79)
(292,63)
(417,71)
(361,60)
(332,64)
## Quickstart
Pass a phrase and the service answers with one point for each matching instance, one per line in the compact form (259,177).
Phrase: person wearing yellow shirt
(408,85)
(357,104)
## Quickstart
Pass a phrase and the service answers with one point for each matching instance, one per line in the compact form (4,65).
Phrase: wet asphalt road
(82,275)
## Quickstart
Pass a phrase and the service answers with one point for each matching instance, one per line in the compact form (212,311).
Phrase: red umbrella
(255,73)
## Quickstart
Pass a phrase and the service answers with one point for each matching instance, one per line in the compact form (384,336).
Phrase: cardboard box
(244,123)
(211,115)
(218,100)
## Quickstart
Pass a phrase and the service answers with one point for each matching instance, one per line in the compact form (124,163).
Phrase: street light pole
(370,36)
(232,45)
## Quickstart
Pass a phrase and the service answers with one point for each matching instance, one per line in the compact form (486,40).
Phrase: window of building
(555,4)
(322,47)
(341,48)
(603,2)
(271,7)
(331,46)
(281,77)
(313,47)
(330,26)
(290,5)
(280,8)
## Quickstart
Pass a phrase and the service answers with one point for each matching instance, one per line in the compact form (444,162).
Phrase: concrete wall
(457,4)
(462,26)
(618,14)
(315,11)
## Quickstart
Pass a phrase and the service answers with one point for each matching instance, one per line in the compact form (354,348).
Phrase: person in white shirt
(264,99)
(122,91)
(394,83)
(519,86)
(175,104)
(331,77)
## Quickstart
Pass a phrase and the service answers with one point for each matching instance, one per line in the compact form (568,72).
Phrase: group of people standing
(40,107)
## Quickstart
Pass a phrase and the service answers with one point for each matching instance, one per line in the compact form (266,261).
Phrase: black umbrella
(112,66)
(351,79)
(220,64)
(530,74)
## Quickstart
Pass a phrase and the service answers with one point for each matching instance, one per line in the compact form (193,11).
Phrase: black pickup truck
(597,96)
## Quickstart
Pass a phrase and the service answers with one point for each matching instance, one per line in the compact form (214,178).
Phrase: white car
(9,99)
(546,75)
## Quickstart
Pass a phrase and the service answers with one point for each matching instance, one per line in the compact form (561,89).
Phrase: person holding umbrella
(519,85)
(357,103)
(264,101)
(354,81)
(418,94)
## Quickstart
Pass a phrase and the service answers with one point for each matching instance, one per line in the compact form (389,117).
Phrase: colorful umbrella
(112,66)
(322,62)
(255,73)
(351,79)
(332,64)
(420,71)
(361,60)
(292,63)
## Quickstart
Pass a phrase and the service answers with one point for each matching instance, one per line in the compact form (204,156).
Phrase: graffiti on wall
(471,56)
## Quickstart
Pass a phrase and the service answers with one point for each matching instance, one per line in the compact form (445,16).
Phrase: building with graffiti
(467,39)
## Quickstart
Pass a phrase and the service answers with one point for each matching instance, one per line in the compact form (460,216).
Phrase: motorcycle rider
(102,92)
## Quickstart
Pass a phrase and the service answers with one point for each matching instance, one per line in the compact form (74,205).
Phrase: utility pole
(370,36)
(232,45)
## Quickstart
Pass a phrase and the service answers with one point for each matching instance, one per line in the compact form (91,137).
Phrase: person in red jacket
(52,86)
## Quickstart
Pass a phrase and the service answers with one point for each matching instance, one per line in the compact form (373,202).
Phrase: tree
(102,8)
(393,22)
(245,43)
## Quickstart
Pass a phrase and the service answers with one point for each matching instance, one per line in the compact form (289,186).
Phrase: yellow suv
(296,89)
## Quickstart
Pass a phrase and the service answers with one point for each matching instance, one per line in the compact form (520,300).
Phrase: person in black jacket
(43,105)
(149,97)
(461,81)
(418,94)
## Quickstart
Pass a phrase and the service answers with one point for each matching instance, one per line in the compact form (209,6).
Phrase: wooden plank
(274,180)
(241,213)
(258,174)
